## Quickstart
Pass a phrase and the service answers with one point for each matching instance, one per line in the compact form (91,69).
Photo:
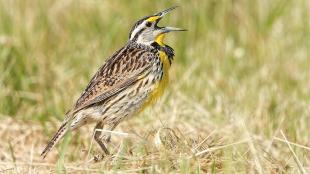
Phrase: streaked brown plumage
(130,79)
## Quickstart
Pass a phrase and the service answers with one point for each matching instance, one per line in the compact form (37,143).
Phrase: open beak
(164,12)
(169,29)
(161,15)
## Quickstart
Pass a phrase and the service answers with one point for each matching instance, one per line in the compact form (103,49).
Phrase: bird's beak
(161,14)
(164,12)
(169,29)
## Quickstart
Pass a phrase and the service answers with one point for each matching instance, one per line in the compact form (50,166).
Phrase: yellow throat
(161,85)
(160,39)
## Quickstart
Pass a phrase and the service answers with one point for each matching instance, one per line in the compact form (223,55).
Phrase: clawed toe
(99,157)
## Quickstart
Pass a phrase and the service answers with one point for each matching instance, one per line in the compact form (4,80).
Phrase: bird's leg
(98,137)
(107,135)
(101,142)
(103,138)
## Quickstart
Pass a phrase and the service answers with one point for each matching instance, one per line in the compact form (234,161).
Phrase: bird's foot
(99,157)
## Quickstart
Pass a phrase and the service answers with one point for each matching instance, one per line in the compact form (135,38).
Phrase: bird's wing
(123,69)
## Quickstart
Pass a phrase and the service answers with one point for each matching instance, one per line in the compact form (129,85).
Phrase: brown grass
(136,153)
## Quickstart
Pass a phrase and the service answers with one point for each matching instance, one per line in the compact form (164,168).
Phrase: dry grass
(238,101)
(195,150)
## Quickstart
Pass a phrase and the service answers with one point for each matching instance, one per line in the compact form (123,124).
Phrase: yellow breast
(165,79)
(160,85)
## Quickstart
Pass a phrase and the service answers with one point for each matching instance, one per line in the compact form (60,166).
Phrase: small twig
(253,149)
(118,153)
(302,170)
(31,159)
(221,147)
(73,167)
(91,145)
(113,132)
(295,144)
(33,164)
(203,141)
(4,170)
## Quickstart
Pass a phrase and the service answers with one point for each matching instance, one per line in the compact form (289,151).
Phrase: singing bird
(131,79)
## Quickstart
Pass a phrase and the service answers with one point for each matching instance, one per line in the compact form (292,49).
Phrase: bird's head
(145,31)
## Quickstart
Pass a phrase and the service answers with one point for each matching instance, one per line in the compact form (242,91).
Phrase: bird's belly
(124,105)
(132,103)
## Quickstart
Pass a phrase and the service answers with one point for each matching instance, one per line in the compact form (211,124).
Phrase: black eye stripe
(148,24)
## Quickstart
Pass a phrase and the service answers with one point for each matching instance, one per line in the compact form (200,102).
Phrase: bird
(133,78)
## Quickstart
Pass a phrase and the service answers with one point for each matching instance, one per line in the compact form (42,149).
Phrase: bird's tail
(59,134)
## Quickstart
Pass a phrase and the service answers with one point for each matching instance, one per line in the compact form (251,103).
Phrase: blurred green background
(247,53)
(239,59)
(252,56)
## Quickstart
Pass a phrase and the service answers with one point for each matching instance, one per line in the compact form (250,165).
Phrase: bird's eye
(148,24)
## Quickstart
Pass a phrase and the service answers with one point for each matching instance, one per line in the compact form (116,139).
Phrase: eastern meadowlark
(131,79)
